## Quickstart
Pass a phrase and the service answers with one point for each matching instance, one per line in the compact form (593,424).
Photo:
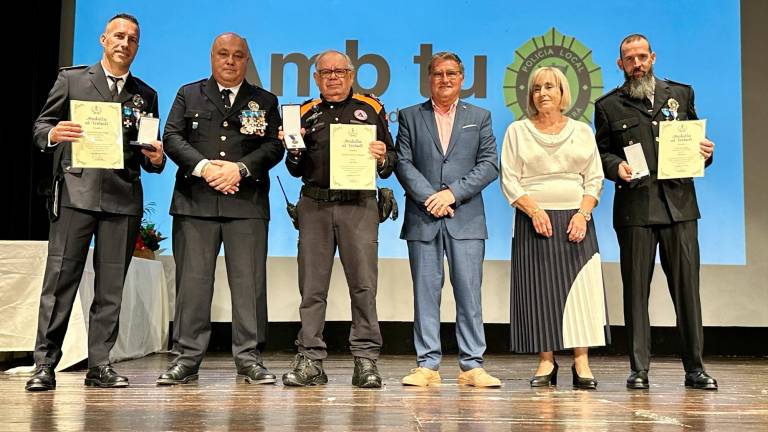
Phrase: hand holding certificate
(101,144)
(352,166)
(679,149)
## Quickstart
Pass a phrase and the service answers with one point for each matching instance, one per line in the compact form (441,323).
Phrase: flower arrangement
(149,237)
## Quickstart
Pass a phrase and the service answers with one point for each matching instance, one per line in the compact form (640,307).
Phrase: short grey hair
(445,55)
(332,51)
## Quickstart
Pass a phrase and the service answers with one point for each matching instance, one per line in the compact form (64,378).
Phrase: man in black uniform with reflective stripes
(347,218)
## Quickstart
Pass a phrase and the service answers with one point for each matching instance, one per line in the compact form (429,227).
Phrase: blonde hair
(559,80)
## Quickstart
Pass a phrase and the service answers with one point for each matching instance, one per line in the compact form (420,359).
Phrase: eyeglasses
(339,73)
(450,74)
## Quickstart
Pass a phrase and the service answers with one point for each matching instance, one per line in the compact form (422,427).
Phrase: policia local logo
(565,53)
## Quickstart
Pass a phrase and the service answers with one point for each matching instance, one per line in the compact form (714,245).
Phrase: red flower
(139,244)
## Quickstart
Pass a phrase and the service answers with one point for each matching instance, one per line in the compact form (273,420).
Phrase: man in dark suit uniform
(648,212)
(222,133)
(106,203)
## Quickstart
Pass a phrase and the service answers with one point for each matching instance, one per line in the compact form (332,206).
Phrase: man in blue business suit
(447,156)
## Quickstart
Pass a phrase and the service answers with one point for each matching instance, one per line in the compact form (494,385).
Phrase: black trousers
(196,245)
(68,242)
(353,227)
(679,255)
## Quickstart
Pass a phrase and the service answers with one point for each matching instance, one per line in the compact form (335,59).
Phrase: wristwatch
(245,173)
(587,215)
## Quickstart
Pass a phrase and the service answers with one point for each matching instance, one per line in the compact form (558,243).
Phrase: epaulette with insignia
(676,83)
(615,89)
(73,67)
(370,100)
(308,104)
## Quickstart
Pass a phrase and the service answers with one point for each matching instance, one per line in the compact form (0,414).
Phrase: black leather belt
(321,194)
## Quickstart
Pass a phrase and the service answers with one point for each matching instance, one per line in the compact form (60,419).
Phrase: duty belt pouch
(387,205)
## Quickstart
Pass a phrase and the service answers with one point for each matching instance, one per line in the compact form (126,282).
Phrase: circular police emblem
(361,115)
(565,53)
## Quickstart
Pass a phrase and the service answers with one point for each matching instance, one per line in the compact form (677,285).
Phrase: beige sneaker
(422,377)
(478,377)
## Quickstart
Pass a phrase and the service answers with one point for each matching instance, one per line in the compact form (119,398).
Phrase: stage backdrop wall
(500,43)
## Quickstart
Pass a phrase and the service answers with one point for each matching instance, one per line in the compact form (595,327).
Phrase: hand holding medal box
(292,127)
(148,130)
(148,125)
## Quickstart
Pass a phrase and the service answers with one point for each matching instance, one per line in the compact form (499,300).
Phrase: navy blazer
(467,167)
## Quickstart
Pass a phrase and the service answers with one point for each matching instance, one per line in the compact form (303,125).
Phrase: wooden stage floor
(218,402)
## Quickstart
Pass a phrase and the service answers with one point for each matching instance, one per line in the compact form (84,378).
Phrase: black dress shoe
(582,383)
(256,374)
(366,373)
(546,380)
(104,376)
(700,380)
(305,372)
(43,379)
(177,374)
(638,380)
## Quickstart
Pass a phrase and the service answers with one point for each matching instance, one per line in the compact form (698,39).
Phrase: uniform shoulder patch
(371,100)
(307,105)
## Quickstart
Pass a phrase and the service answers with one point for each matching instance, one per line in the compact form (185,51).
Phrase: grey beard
(641,88)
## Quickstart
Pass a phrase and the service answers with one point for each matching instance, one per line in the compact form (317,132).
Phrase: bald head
(229,59)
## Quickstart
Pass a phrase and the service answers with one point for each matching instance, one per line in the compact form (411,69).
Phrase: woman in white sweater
(551,173)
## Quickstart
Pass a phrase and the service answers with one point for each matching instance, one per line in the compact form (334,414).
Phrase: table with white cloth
(144,314)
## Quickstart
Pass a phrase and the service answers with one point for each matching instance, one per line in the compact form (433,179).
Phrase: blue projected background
(697,42)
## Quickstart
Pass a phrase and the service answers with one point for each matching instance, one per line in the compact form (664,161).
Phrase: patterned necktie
(225,98)
(114,91)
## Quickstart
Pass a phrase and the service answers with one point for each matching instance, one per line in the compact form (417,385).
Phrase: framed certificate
(101,145)
(352,166)
(679,149)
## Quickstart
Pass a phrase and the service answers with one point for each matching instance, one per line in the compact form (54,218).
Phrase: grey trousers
(353,228)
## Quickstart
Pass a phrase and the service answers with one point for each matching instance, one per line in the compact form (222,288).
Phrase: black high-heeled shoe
(582,383)
(545,380)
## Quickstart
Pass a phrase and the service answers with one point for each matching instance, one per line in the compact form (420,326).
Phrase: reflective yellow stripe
(369,100)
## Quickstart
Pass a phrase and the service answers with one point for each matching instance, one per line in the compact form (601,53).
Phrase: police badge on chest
(253,120)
